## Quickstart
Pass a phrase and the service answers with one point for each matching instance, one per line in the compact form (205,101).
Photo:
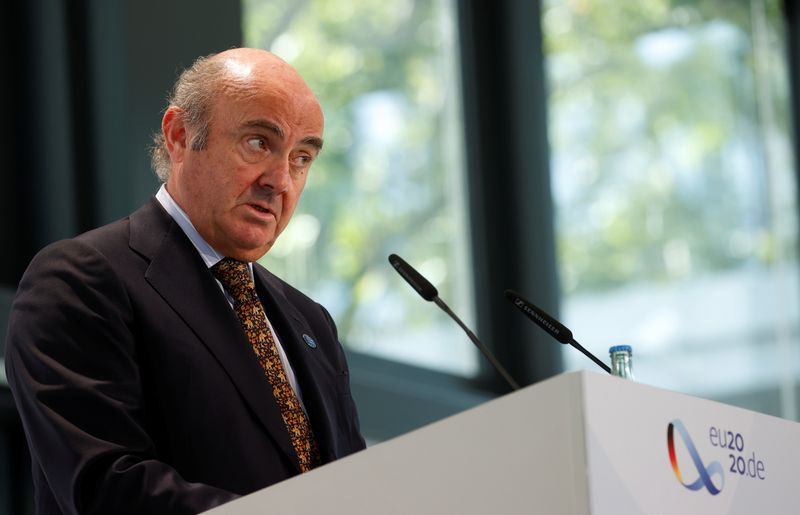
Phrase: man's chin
(244,243)
(249,254)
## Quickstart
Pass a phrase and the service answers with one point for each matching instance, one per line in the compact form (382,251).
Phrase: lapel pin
(310,341)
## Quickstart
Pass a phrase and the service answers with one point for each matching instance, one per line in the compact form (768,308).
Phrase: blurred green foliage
(669,126)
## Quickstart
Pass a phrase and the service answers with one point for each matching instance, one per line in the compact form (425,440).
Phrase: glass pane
(389,179)
(673,177)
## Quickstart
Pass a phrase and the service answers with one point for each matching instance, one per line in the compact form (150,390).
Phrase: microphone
(428,292)
(555,328)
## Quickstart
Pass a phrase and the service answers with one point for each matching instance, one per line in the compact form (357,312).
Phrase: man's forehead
(238,70)
(268,94)
(263,71)
(244,61)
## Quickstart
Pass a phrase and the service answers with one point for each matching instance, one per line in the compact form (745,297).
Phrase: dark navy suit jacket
(136,386)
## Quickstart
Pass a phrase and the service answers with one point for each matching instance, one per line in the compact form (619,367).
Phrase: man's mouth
(260,209)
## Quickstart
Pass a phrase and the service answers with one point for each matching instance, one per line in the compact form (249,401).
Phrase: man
(151,377)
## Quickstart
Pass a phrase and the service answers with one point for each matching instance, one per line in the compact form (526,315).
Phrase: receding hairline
(243,66)
(246,71)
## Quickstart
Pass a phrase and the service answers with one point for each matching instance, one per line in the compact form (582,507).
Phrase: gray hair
(193,93)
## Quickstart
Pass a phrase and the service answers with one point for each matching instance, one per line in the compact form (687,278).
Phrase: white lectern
(579,443)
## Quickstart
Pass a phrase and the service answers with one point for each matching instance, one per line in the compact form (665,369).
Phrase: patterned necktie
(235,276)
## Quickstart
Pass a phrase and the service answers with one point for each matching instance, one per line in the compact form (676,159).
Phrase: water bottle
(622,361)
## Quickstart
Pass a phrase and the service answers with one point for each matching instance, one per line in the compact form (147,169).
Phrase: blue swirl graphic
(705,472)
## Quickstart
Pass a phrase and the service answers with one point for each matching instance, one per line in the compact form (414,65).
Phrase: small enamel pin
(310,341)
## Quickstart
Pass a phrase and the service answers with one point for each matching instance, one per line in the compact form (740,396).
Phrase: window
(389,179)
(673,180)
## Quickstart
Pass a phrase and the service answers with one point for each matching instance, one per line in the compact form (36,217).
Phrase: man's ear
(174,130)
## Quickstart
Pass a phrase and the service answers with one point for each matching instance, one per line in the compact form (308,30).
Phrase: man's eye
(256,144)
(302,160)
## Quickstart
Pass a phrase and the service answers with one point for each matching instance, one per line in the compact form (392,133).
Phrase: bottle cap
(620,348)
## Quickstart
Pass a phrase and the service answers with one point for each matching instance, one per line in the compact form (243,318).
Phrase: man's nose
(275,175)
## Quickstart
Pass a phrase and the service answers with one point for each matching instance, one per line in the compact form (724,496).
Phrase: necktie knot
(234,276)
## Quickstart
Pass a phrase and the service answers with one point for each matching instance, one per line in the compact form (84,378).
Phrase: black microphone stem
(589,355)
(488,355)
(428,292)
(552,326)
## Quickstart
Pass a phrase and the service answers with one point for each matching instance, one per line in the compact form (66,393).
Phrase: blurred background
(630,167)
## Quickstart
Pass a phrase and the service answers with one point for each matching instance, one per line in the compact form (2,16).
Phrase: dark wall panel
(509,181)
(139,48)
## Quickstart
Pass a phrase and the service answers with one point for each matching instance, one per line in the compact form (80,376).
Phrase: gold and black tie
(235,276)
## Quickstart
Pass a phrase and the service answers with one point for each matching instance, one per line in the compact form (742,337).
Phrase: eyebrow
(278,131)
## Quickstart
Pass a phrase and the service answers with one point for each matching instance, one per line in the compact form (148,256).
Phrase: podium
(578,443)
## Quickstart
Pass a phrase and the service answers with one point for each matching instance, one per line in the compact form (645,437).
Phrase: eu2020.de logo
(741,462)
(704,472)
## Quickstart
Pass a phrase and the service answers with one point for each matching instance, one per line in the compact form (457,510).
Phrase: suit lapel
(179,275)
(309,364)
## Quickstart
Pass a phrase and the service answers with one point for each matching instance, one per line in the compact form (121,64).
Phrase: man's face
(241,190)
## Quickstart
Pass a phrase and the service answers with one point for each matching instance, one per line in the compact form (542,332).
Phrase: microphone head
(414,278)
(542,319)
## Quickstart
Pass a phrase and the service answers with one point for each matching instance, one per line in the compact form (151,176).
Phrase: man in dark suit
(155,367)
